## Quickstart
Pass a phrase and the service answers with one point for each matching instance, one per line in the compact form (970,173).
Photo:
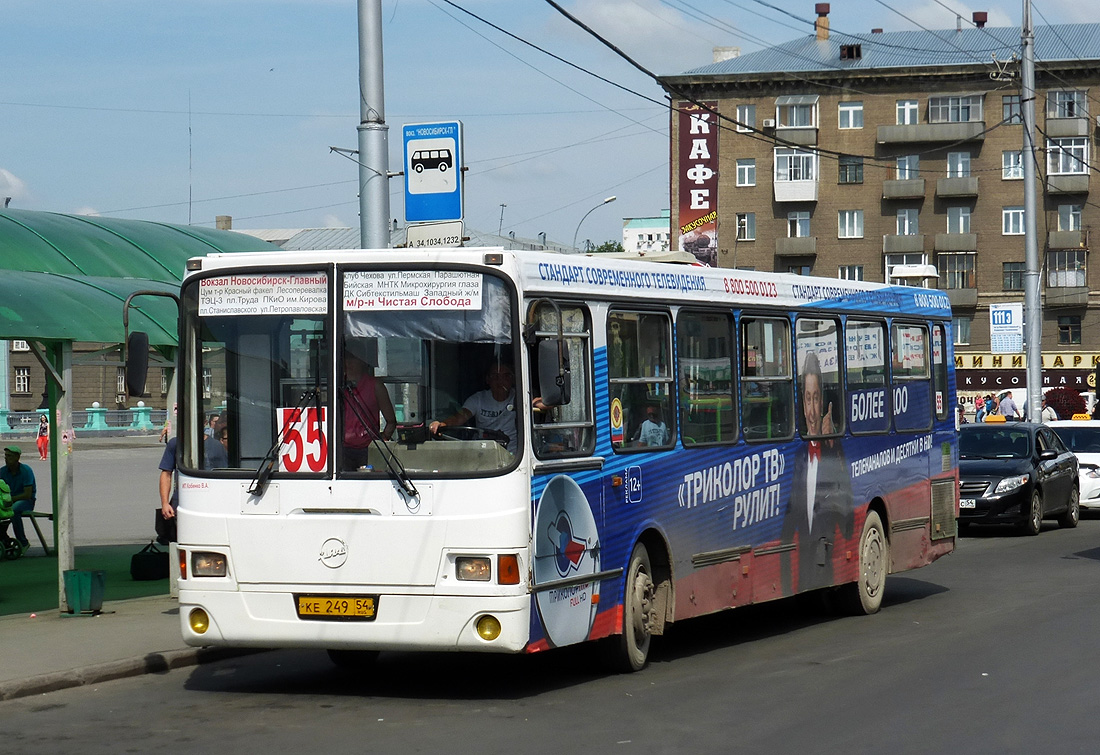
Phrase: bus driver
(493,409)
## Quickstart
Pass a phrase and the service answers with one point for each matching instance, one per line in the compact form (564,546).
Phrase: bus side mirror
(555,382)
(137,362)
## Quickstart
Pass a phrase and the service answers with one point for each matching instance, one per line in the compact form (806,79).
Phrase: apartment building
(898,156)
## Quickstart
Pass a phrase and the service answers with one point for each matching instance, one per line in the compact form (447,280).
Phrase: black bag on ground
(149,563)
(165,528)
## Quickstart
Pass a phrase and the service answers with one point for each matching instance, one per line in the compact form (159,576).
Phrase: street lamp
(601,204)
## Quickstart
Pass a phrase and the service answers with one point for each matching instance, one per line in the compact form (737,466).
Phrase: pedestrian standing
(1048,415)
(43,437)
(1008,406)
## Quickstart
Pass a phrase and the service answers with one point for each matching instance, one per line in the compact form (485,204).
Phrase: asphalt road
(986,651)
(115,489)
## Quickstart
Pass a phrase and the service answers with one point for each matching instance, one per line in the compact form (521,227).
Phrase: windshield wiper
(392,462)
(267,466)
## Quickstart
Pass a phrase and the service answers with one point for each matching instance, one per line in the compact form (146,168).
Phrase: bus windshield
(440,344)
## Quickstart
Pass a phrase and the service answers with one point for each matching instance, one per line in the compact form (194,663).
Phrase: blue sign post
(433,171)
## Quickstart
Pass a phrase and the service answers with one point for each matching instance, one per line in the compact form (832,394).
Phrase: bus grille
(943,509)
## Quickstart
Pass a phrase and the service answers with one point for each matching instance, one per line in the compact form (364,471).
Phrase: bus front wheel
(630,652)
(864,596)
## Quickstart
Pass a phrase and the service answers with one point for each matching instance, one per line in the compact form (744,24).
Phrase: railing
(137,419)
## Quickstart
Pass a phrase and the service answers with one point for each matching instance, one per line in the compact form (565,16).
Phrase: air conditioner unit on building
(770,122)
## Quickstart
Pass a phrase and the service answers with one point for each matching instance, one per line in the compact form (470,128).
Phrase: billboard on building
(698,200)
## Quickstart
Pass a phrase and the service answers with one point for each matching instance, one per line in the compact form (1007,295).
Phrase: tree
(1065,401)
(608,247)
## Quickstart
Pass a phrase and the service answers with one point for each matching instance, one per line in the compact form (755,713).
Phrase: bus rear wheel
(864,596)
(630,650)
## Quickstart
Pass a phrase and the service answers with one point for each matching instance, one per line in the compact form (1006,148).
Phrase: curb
(151,663)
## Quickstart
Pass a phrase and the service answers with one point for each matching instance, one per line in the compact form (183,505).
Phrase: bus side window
(568,430)
(911,392)
(640,380)
(704,345)
(817,344)
(866,395)
(767,387)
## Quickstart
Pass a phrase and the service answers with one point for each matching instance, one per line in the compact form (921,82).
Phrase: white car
(1083,438)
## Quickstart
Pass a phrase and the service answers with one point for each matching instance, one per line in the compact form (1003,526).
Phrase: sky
(183,110)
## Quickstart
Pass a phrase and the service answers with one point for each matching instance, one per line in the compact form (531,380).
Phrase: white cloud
(332,221)
(11,186)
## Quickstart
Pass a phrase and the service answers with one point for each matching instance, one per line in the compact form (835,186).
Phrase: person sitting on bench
(20,479)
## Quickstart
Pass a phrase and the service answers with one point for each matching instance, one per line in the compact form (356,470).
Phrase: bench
(34,516)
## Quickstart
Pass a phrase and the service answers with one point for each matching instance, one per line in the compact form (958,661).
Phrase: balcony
(1068,183)
(802,246)
(962,297)
(911,188)
(795,191)
(913,243)
(1066,240)
(956,242)
(805,137)
(932,132)
(963,186)
(1058,127)
(1066,296)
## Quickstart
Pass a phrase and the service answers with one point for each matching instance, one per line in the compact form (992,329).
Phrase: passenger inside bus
(493,410)
(365,399)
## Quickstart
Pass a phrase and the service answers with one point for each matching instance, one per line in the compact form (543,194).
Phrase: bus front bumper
(269,619)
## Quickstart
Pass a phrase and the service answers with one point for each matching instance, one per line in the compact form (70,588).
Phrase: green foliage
(608,247)
(1065,401)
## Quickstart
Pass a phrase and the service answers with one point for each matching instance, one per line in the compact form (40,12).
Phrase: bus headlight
(488,628)
(208,564)
(473,569)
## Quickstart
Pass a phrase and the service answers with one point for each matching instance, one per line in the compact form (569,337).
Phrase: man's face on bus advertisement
(811,404)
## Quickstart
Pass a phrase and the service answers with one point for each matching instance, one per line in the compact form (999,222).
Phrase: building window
(907,221)
(893,260)
(746,226)
(20,346)
(1012,165)
(746,117)
(958,220)
(908,167)
(796,116)
(1069,217)
(1010,108)
(850,272)
(1069,330)
(908,112)
(1068,156)
(163,382)
(799,269)
(850,224)
(1072,104)
(960,328)
(956,270)
(955,109)
(1013,273)
(1012,221)
(746,172)
(798,225)
(1066,268)
(850,169)
(958,164)
(207,382)
(22,380)
(851,115)
(120,380)
(795,165)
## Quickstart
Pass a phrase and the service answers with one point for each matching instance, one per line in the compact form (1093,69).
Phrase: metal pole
(374,157)
(601,204)
(1033,307)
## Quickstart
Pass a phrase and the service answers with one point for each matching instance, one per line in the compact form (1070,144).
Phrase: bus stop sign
(433,171)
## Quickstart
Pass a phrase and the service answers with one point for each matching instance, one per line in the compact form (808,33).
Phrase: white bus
(712,438)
